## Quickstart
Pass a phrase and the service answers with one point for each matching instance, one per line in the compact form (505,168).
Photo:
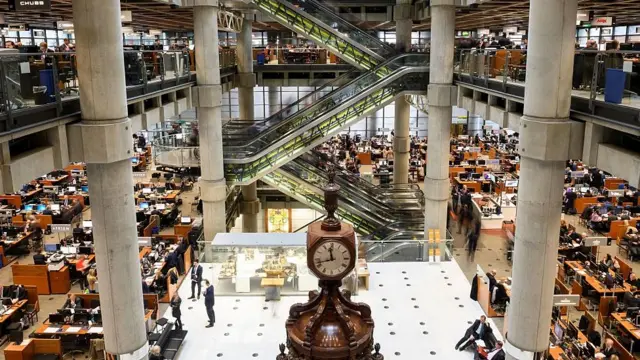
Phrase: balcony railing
(491,66)
(32,81)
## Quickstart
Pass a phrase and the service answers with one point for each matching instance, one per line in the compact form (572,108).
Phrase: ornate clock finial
(331,223)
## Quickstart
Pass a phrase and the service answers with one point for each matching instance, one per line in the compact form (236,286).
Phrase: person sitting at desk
(595,221)
(633,280)
(92,278)
(18,293)
(608,351)
(44,49)
(73,302)
(78,233)
(47,211)
(608,261)
(82,264)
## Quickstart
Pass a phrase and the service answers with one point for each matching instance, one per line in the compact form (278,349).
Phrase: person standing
(176,301)
(209,301)
(196,279)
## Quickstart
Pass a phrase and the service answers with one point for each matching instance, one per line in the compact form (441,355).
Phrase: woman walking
(176,301)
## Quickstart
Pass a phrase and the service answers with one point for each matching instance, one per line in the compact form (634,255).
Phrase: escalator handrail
(327,114)
(362,47)
(331,83)
(298,114)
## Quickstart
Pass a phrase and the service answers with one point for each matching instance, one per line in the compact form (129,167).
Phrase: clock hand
(331,253)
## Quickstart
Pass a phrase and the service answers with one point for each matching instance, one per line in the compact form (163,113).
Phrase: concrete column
(594,134)
(246,83)
(57,138)
(401,148)
(6,180)
(474,125)
(441,95)
(106,144)
(544,130)
(207,97)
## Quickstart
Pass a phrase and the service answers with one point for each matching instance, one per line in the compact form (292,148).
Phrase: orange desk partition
(36,275)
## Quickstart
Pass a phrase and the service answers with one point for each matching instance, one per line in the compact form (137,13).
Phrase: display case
(251,263)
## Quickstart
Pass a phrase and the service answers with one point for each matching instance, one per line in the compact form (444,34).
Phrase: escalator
(371,209)
(253,151)
(321,24)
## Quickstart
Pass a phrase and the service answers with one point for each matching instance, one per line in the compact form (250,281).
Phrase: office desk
(90,259)
(54,182)
(595,283)
(31,347)
(583,202)
(60,281)
(15,307)
(83,330)
(475,185)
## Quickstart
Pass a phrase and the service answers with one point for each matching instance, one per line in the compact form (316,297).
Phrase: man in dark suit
(196,279)
(608,349)
(473,333)
(492,280)
(496,353)
(209,301)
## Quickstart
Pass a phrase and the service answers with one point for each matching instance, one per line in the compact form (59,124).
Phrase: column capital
(442,94)
(401,144)
(402,12)
(250,207)
(544,139)
(435,3)
(213,190)
(208,96)
(439,189)
(106,141)
(194,3)
(245,80)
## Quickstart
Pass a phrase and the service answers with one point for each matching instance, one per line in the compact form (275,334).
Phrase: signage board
(27,5)
(483,32)
(566,300)
(615,193)
(16,27)
(577,174)
(126,16)
(60,228)
(492,162)
(582,15)
(595,241)
(144,241)
(602,21)
(474,149)
(510,30)
(139,174)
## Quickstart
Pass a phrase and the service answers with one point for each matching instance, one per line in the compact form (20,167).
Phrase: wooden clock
(330,325)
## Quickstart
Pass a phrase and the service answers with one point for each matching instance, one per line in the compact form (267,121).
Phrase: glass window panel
(594,32)
(620,30)
(258,98)
(621,39)
(582,32)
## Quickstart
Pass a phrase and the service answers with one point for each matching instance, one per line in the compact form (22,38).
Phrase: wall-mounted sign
(566,300)
(510,30)
(26,5)
(60,228)
(595,241)
(139,174)
(126,16)
(483,32)
(602,21)
(16,27)
(582,15)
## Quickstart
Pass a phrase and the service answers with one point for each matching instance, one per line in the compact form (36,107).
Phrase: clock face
(332,259)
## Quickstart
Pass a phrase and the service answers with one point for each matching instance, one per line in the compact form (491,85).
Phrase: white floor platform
(420,310)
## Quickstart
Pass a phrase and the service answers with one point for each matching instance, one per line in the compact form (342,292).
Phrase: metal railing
(50,80)
(508,66)
(177,150)
(408,249)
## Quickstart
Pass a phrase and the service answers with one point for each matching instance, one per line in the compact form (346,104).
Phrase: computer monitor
(456,162)
(476,176)
(41,207)
(144,205)
(161,189)
(85,250)
(482,162)
(134,160)
(463,176)
(80,318)
(185,220)
(84,188)
(146,191)
(51,247)
(55,318)
(87,224)
(50,189)
(55,207)
(161,206)
(28,207)
(472,162)
(71,189)
(558,331)
(469,170)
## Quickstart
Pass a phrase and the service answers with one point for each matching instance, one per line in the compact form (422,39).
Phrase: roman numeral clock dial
(332,259)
